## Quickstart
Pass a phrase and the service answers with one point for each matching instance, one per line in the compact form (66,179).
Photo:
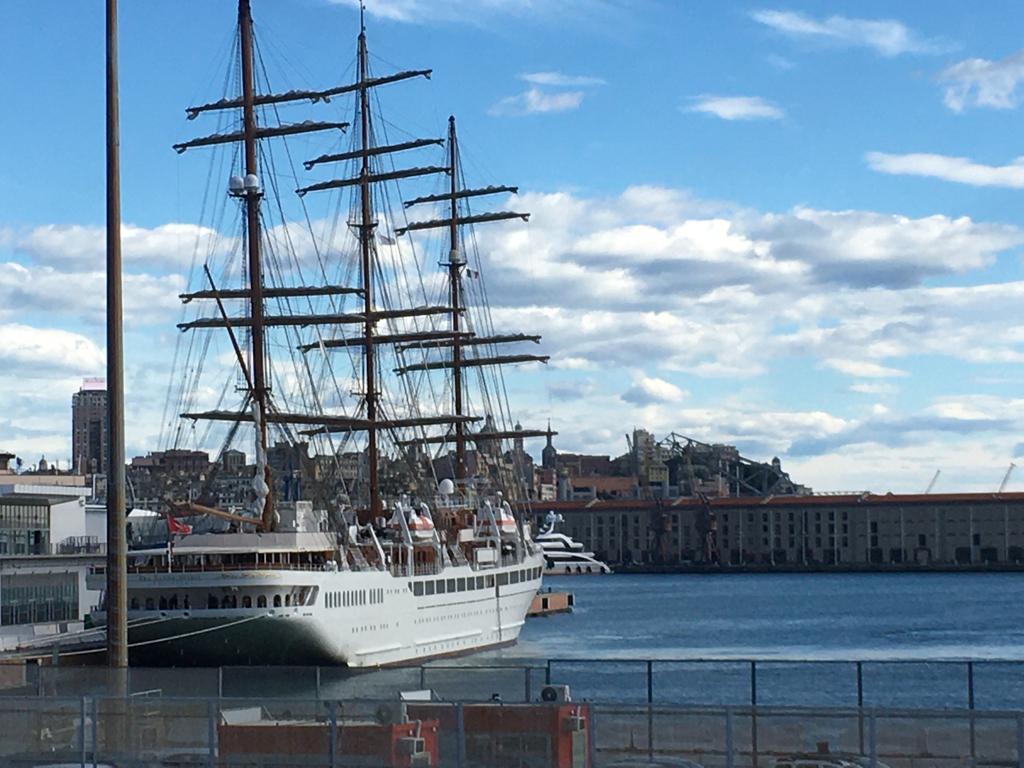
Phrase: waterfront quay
(571,713)
(832,531)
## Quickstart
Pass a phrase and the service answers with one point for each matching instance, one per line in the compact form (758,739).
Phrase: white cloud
(983,83)
(873,388)
(738,108)
(168,246)
(81,296)
(863,369)
(956,169)
(560,79)
(534,101)
(885,36)
(26,349)
(650,389)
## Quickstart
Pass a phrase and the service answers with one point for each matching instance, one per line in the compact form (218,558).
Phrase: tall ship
(321,324)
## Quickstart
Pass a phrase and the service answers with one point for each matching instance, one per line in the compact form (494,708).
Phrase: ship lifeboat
(420,526)
(506,523)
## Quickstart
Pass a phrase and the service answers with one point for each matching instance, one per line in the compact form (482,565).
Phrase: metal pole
(873,740)
(95,731)
(527,684)
(318,683)
(547,673)
(753,713)
(460,736)
(650,681)
(211,732)
(592,736)
(730,757)
(117,551)
(81,732)
(1020,741)
(860,704)
(334,734)
(970,704)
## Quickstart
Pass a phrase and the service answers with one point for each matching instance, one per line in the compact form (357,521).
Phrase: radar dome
(446,487)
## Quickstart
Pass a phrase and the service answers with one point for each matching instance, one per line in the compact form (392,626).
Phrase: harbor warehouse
(814,530)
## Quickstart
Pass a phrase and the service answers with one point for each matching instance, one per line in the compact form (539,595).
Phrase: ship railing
(224,568)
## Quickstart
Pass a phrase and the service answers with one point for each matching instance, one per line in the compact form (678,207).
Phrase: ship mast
(454,276)
(252,229)
(366,229)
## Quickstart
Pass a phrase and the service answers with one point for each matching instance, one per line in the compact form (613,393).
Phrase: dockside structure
(912,530)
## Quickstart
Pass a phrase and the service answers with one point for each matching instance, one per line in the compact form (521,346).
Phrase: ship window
(489,581)
(277,601)
(247,602)
(163,603)
(225,602)
(288,599)
(461,585)
(430,587)
(211,601)
(502,579)
(482,582)
(451,585)
(261,601)
(149,604)
(417,588)
(135,604)
(514,577)
(441,589)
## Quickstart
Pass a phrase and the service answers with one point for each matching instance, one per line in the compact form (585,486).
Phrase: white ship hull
(356,618)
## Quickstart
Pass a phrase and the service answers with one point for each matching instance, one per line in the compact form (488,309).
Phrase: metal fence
(151,730)
(968,685)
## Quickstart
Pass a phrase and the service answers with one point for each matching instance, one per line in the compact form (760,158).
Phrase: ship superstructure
(417,555)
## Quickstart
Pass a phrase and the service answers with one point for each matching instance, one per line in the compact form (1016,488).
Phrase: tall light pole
(117,554)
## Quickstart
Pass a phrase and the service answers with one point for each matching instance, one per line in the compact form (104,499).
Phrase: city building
(90,428)
(48,543)
(854,530)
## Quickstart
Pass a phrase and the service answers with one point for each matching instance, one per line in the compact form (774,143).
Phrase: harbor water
(928,616)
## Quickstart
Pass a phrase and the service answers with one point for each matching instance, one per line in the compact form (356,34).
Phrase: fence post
(547,673)
(753,713)
(650,710)
(592,736)
(95,730)
(970,705)
(873,741)
(527,684)
(730,756)
(211,732)
(333,732)
(81,732)
(860,705)
(1020,741)
(460,737)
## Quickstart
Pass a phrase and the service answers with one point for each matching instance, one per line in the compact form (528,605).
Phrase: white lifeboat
(420,526)
(503,517)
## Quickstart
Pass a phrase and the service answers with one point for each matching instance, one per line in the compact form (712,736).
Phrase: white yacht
(563,556)
(370,374)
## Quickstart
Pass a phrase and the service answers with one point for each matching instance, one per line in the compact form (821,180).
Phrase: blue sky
(794,227)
